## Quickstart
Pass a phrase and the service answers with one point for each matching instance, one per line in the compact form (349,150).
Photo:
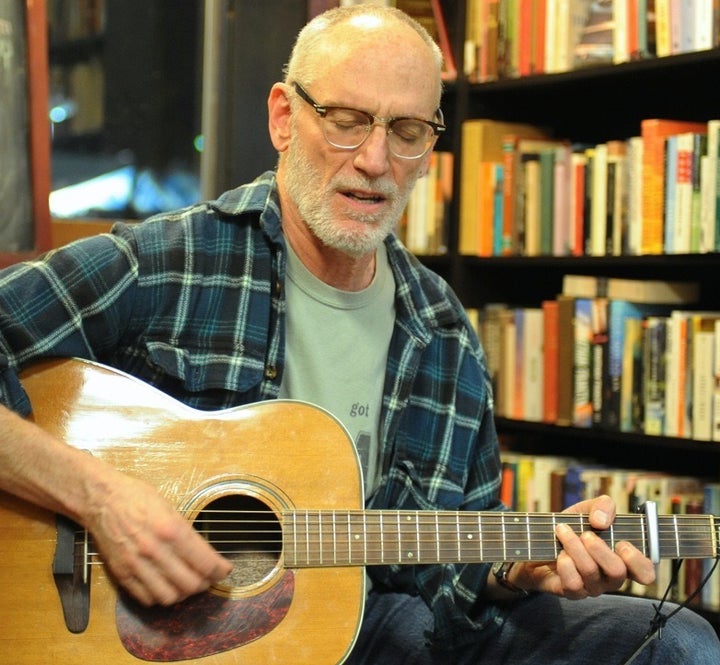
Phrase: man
(295,286)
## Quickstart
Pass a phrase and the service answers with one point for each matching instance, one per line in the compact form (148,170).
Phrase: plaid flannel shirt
(193,303)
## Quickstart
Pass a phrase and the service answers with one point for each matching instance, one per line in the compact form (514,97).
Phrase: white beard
(301,178)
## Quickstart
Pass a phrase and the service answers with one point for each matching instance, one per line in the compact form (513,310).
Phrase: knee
(688,638)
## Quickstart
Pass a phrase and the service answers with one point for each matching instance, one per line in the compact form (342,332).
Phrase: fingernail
(601,518)
(564,529)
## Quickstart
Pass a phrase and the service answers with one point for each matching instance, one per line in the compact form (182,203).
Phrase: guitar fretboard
(376,537)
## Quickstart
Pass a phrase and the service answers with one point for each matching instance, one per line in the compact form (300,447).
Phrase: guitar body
(280,455)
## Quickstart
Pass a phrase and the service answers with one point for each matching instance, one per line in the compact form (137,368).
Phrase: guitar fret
(399,536)
(457,533)
(480,538)
(437,538)
(320,539)
(504,537)
(420,557)
(365,538)
(307,536)
(643,535)
(350,539)
(527,532)
(382,541)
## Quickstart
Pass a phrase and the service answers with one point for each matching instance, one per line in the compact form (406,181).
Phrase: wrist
(501,572)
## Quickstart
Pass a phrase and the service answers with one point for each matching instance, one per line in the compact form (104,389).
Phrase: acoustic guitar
(276,487)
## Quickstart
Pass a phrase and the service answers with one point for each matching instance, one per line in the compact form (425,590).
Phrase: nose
(373,156)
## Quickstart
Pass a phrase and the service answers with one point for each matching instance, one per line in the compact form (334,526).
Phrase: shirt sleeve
(65,304)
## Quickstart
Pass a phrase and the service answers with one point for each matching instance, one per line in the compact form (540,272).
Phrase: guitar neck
(377,537)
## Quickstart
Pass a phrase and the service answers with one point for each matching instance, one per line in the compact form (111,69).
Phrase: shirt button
(271,372)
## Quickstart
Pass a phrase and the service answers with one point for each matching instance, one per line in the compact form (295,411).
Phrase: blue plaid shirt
(193,303)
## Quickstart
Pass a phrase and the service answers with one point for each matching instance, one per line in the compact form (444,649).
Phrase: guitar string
(318,542)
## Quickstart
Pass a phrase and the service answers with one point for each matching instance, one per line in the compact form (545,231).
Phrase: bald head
(371,37)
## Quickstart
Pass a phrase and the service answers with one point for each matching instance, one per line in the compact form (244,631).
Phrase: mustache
(381,186)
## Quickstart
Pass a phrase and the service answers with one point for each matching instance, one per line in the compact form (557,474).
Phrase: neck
(335,268)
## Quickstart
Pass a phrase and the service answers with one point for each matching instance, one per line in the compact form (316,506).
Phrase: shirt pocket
(201,369)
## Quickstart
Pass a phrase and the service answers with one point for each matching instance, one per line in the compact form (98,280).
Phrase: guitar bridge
(72,573)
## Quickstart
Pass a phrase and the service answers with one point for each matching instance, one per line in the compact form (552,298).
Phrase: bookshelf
(587,105)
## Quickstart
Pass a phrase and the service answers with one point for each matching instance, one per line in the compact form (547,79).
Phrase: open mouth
(364,197)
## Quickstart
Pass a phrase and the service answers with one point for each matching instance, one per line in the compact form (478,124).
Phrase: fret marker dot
(469,536)
(409,555)
(357,536)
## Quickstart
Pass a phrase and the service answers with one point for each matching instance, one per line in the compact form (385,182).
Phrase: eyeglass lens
(347,128)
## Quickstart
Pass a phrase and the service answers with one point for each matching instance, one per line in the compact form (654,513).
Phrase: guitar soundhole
(247,532)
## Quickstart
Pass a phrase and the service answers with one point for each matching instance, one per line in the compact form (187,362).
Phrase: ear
(425,163)
(279,116)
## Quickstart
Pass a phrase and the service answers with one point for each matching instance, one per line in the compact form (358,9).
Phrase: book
(547,200)
(616,207)
(703,378)
(566,353)
(490,322)
(532,207)
(634,196)
(686,233)
(678,398)
(576,214)
(671,203)
(598,212)
(482,141)
(497,209)
(505,403)
(550,360)
(517,150)
(632,414)
(583,329)
(562,232)
(654,132)
(599,358)
(710,214)
(619,312)
(520,364)
(654,339)
(676,369)
(485,222)
(716,384)
(642,291)
(532,364)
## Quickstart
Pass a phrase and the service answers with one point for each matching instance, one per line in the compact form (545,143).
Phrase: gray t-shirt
(336,351)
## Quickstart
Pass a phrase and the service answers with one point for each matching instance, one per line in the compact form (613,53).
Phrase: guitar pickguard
(202,625)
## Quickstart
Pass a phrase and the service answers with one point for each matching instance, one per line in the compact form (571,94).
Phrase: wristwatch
(500,570)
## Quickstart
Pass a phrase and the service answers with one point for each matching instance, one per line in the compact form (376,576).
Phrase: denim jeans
(542,630)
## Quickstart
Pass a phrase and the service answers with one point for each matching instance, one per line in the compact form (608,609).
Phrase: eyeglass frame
(322,111)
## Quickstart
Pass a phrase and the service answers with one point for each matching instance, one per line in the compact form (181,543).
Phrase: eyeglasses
(347,129)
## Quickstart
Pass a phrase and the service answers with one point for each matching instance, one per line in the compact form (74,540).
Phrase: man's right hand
(149,548)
